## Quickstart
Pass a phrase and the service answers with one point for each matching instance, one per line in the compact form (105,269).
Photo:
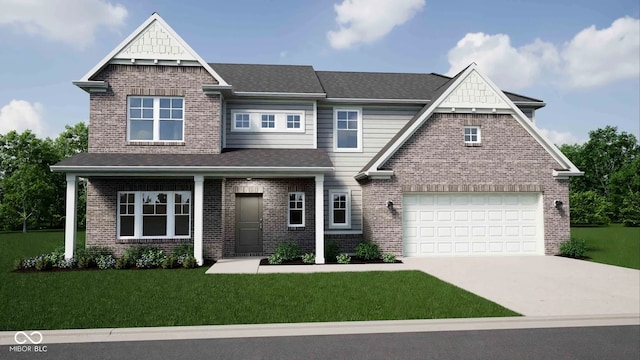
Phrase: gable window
(155,118)
(296,209)
(348,130)
(242,121)
(268,121)
(293,121)
(162,214)
(340,209)
(472,134)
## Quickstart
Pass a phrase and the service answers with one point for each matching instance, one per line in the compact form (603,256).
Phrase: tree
(588,208)
(27,194)
(610,162)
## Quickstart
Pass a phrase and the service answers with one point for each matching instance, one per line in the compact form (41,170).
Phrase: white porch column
(198,217)
(70,219)
(319,219)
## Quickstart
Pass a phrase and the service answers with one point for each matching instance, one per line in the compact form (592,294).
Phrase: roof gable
(466,84)
(153,42)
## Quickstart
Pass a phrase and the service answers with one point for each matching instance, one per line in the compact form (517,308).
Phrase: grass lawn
(614,244)
(134,298)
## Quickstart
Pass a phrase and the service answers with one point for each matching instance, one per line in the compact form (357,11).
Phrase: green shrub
(182,249)
(288,250)
(388,258)
(152,257)
(275,259)
(97,251)
(343,258)
(189,262)
(589,208)
(44,263)
(131,256)
(18,264)
(105,262)
(85,261)
(170,262)
(331,250)
(309,258)
(368,250)
(123,263)
(574,248)
(630,211)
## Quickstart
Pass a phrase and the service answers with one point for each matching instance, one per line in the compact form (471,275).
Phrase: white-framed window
(339,209)
(241,121)
(268,121)
(154,214)
(472,134)
(293,121)
(295,210)
(347,134)
(155,118)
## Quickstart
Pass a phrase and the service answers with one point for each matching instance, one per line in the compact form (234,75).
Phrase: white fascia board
(280,94)
(535,104)
(92,86)
(135,33)
(245,170)
(566,174)
(373,101)
(377,174)
(517,113)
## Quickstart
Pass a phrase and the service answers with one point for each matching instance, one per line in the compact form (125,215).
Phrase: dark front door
(248,223)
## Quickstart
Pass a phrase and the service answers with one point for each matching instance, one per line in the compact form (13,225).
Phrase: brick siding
(108,111)
(436,158)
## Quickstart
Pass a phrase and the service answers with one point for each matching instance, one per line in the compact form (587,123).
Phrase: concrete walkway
(530,285)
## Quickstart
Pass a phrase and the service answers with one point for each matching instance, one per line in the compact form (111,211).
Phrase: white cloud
(71,21)
(21,115)
(592,58)
(365,21)
(560,138)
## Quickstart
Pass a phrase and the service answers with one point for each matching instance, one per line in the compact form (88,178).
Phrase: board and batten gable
(379,124)
(108,110)
(282,138)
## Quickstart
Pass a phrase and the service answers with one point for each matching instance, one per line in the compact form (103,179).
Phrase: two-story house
(237,158)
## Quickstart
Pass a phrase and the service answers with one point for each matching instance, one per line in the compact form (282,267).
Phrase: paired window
(295,217)
(268,120)
(154,214)
(348,130)
(340,209)
(155,118)
(472,134)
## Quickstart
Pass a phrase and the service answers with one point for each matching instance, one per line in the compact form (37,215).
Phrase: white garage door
(472,224)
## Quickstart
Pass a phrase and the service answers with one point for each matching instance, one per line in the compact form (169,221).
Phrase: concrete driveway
(541,285)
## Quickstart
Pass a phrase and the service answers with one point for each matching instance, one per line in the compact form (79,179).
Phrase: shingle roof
(270,78)
(337,84)
(251,158)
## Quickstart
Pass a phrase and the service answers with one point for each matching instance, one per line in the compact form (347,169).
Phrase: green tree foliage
(630,211)
(611,163)
(30,194)
(588,208)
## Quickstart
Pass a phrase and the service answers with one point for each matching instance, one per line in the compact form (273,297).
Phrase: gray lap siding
(435,158)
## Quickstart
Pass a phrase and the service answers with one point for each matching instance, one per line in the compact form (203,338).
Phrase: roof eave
(91,86)
(189,169)
(279,94)
(373,101)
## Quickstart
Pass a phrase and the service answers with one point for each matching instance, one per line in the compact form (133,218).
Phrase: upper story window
(242,121)
(472,134)
(296,209)
(268,121)
(347,134)
(254,120)
(293,121)
(155,118)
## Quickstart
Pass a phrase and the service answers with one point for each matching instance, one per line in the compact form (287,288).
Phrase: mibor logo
(21,337)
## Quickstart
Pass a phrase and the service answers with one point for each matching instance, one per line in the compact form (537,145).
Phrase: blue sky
(581,57)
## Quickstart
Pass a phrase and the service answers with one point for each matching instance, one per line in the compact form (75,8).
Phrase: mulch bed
(354,260)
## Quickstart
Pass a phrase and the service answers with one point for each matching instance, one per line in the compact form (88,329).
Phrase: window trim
(286,119)
(268,121)
(478,135)
(347,224)
(156,119)
(289,224)
(358,110)
(138,215)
